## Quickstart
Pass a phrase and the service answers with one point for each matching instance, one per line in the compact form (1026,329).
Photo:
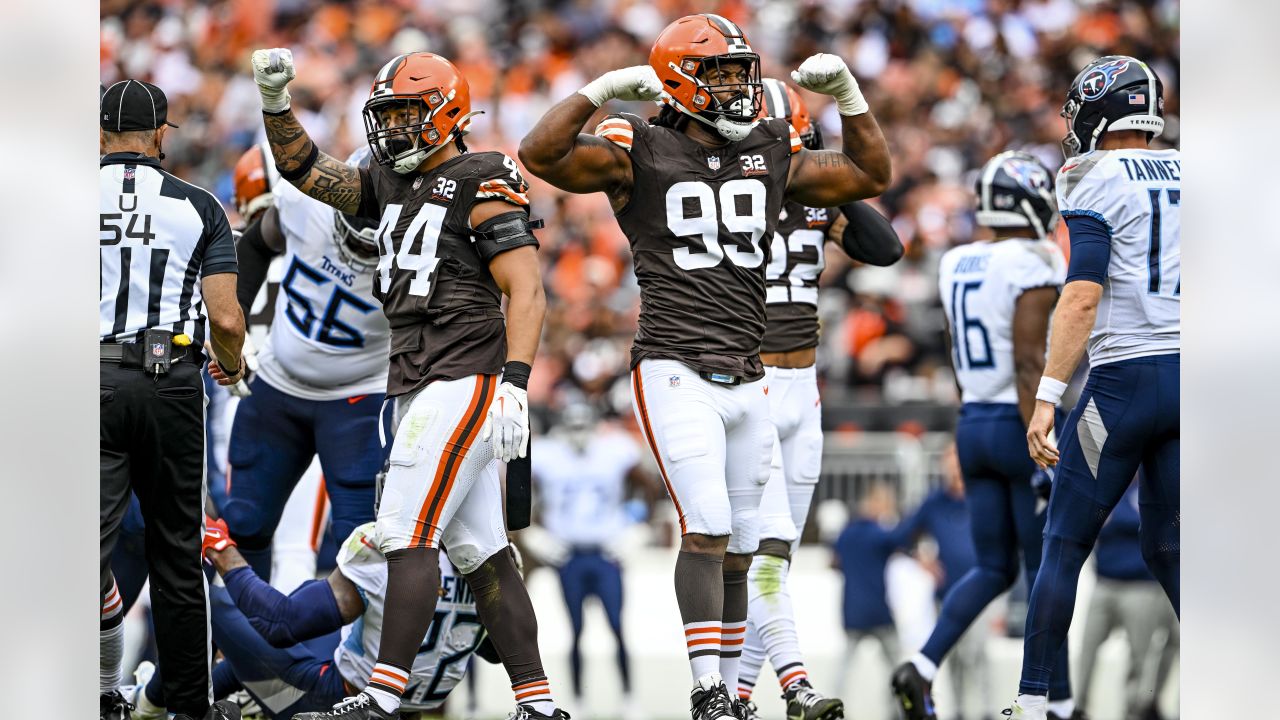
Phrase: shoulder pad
(499,178)
(361,547)
(618,129)
(1074,171)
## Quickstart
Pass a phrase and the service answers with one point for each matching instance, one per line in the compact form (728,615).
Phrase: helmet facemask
(400,129)
(356,238)
(734,116)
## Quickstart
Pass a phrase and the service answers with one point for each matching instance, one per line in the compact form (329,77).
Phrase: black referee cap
(134,105)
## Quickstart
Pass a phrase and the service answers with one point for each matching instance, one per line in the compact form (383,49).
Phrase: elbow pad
(868,237)
(504,232)
(309,612)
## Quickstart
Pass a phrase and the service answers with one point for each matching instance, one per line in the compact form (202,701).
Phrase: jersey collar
(128,157)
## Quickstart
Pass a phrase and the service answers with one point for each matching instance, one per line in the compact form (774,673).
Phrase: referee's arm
(218,275)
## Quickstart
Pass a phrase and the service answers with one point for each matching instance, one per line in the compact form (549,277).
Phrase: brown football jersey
(700,221)
(433,274)
(792,277)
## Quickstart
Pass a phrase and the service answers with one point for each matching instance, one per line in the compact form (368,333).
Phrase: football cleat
(1017,712)
(524,712)
(914,693)
(710,700)
(113,706)
(360,707)
(805,703)
(746,710)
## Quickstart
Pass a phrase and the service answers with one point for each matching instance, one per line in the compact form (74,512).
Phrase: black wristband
(304,168)
(516,373)
(227,372)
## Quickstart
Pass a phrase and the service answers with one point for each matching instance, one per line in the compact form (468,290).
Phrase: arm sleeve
(219,244)
(1090,247)
(868,237)
(309,612)
(255,259)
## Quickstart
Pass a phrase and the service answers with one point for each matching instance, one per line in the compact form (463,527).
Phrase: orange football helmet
(255,176)
(419,103)
(782,101)
(690,57)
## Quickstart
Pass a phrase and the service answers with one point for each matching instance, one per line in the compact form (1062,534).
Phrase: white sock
(772,626)
(111,642)
(111,652)
(535,695)
(1035,705)
(703,642)
(928,670)
(1062,708)
(731,638)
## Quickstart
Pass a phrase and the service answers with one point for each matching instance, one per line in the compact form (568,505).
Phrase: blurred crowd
(952,82)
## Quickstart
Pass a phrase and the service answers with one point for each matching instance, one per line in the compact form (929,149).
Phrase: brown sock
(733,625)
(504,607)
(700,595)
(413,585)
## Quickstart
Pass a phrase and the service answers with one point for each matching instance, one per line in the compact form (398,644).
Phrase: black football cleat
(360,707)
(805,703)
(113,706)
(221,710)
(524,712)
(913,692)
(710,700)
(746,710)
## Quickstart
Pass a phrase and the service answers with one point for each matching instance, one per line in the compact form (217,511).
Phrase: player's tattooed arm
(557,151)
(860,169)
(315,173)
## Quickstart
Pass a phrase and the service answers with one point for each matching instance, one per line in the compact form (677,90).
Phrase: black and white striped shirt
(159,235)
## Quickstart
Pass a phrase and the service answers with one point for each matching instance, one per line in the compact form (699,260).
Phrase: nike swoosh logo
(356,399)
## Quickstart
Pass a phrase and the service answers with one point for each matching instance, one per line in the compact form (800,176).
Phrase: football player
(321,373)
(789,354)
(997,295)
(698,190)
(1121,201)
(582,477)
(281,648)
(454,237)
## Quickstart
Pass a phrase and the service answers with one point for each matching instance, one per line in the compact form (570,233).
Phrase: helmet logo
(1028,175)
(1095,84)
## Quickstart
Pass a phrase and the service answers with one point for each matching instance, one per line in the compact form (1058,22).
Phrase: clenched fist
(828,74)
(272,70)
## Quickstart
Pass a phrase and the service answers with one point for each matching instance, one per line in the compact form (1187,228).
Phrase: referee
(168,262)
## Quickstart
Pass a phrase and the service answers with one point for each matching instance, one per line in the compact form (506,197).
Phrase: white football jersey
(980,284)
(329,338)
(441,661)
(1138,195)
(581,494)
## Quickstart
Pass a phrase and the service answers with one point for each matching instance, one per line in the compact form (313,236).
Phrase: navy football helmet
(1114,92)
(1015,190)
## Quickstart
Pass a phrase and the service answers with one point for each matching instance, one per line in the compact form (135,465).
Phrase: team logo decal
(1028,175)
(713,163)
(1093,85)
(675,381)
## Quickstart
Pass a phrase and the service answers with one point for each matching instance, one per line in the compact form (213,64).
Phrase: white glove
(828,74)
(272,70)
(633,83)
(249,355)
(546,548)
(508,423)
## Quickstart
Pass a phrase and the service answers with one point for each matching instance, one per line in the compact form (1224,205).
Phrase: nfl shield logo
(417,183)
(675,381)
(713,163)
(157,349)
(130,173)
